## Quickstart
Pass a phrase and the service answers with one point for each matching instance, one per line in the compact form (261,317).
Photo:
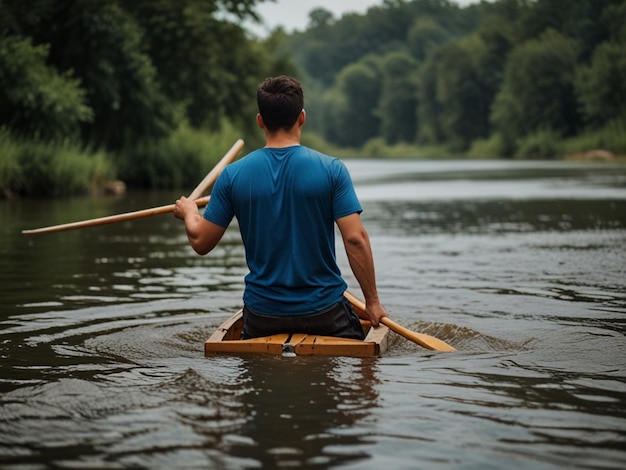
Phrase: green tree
(36,101)
(614,20)
(329,46)
(205,64)
(398,101)
(579,20)
(275,58)
(102,43)
(463,92)
(354,120)
(601,86)
(425,35)
(538,89)
(497,32)
(320,18)
(428,107)
(146,65)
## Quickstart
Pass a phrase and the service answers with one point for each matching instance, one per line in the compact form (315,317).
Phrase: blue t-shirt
(286,201)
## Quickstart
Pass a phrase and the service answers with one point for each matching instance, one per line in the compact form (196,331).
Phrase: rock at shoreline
(115,187)
(599,154)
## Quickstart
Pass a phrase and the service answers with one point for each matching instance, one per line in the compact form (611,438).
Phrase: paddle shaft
(426,341)
(210,178)
(111,219)
(195,194)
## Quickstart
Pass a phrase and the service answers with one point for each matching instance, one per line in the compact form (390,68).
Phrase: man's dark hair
(280,101)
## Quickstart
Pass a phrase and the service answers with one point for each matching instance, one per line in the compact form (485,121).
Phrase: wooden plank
(226,340)
(229,330)
(331,346)
(265,345)
(380,337)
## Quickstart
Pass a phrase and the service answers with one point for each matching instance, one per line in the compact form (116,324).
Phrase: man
(286,198)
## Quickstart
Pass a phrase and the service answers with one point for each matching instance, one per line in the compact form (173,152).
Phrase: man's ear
(259,121)
(302,118)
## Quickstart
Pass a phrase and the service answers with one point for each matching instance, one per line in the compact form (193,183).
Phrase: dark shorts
(338,320)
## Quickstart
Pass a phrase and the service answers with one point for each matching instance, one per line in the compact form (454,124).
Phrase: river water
(519,265)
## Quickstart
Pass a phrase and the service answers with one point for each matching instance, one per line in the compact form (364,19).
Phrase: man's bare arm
(202,234)
(359,251)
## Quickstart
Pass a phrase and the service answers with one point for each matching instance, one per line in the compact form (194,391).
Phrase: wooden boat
(226,339)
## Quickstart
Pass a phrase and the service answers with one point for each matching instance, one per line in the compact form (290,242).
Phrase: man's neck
(281,138)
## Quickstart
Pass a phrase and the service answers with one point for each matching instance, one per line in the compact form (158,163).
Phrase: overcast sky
(294,14)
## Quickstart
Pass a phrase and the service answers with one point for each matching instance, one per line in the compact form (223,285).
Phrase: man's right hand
(183,207)
(375,311)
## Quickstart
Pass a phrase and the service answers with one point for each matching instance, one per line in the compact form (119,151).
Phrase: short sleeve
(220,209)
(345,201)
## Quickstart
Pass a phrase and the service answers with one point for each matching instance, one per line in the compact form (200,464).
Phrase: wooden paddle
(210,178)
(195,194)
(426,341)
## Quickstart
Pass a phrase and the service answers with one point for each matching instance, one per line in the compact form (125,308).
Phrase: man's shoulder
(246,161)
(299,153)
(325,159)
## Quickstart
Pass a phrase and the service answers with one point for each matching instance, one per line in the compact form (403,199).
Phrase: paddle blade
(426,341)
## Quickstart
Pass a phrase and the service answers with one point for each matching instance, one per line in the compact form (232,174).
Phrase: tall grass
(378,148)
(10,171)
(179,161)
(611,138)
(543,144)
(546,144)
(33,168)
(489,148)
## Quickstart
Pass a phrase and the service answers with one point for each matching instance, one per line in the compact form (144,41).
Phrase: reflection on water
(305,411)
(519,265)
(232,412)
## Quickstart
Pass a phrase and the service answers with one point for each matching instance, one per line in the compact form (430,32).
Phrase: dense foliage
(430,72)
(132,69)
(147,90)
(128,78)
